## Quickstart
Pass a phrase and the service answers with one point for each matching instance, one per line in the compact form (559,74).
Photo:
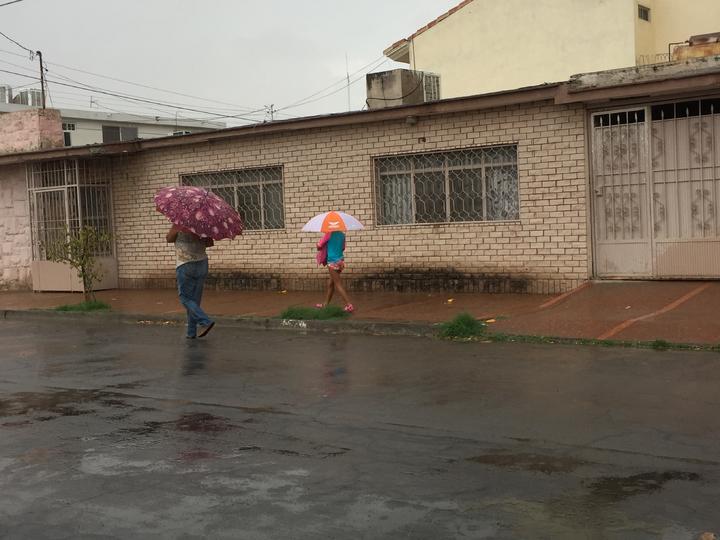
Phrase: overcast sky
(249,54)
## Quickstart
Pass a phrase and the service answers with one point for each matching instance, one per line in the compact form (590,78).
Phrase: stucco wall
(677,20)
(90,131)
(34,129)
(645,52)
(673,21)
(546,250)
(489,45)
(15,247)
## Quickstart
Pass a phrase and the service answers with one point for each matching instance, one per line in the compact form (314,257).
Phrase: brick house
(480,193)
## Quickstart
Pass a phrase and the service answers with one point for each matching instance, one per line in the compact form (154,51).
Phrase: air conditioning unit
(30,97)
(401,87)
(431,86)
(5,93)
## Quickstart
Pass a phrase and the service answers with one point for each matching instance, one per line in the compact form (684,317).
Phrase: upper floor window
(476,184)
(644,13)
(119,133)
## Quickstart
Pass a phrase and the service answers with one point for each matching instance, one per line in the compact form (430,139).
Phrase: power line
(141,100)
(212,112)
(131,97)
(307,102)
(341,81)
(12,2)
(32,53)
(233,105)
(170,108)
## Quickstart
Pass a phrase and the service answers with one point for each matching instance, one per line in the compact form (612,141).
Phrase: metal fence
(66,195)
(256,194)
(476,184)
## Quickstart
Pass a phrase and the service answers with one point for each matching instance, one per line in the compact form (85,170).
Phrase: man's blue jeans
(190,279)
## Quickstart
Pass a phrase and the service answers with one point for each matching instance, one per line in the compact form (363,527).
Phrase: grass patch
(464,326)
(93,305)
(303,313)
(658,345)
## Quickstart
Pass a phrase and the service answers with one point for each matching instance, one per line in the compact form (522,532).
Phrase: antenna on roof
(347,72)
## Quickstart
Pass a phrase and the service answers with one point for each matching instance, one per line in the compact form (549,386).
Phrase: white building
(91,127)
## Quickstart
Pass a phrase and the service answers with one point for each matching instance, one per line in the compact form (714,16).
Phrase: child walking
(332,246)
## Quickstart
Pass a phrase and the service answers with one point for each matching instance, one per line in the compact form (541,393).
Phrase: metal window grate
(644,13)
(66,195)
(477,184)
(256,194)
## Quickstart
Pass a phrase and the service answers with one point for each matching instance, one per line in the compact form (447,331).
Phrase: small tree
(79,249)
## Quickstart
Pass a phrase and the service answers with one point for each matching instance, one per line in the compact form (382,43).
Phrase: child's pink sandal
(349,308)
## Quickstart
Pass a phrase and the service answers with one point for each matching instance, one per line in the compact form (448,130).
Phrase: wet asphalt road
(131,432)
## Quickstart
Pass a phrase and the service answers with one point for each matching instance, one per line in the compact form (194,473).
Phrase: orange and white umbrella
(328,222)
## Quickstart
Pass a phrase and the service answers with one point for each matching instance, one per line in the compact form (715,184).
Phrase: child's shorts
(338,266)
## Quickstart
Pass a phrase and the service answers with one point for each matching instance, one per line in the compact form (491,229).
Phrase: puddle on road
(619,488)
(53,404)
(190,456)
(530,462)
(202,423)
(197,422)
(60,403)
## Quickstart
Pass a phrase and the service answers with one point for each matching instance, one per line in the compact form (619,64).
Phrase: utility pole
(42,77)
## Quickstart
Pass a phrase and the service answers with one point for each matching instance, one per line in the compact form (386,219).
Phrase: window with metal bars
(65,196)
(256,194)
(475,184)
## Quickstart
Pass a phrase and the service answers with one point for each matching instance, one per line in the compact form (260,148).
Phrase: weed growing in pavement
(463,326)
(91,305)
(660,345)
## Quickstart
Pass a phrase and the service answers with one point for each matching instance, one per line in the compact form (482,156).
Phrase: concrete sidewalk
(680,312)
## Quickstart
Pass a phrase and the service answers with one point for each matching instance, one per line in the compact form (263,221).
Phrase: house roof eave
(544,92)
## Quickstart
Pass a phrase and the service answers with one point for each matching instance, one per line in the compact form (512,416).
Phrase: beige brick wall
(15,247)
(546,250)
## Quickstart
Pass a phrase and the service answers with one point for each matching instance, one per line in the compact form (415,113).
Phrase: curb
(376,328)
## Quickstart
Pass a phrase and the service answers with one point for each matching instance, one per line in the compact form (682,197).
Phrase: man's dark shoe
(205,329)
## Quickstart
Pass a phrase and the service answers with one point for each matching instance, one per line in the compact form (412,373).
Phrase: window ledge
(452,223)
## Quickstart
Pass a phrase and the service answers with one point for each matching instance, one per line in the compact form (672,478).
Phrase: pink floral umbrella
(197,210)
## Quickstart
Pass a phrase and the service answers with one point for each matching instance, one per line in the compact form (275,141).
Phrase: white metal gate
(64,196)
(656,186)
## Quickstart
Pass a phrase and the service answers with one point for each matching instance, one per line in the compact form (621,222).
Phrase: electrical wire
(234,106)
(32,53)
(307,102)
(11,2)
(341,81)
(212,112)
(140,100)
(168,111)
(132,97)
